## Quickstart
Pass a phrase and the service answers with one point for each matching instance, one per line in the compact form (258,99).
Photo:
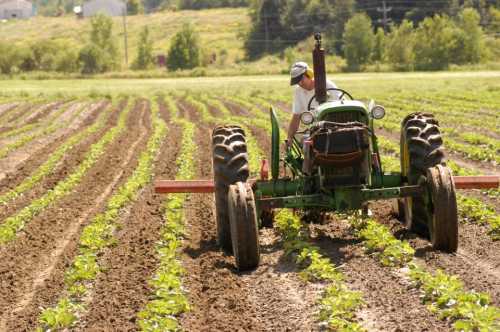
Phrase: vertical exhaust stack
(319,70)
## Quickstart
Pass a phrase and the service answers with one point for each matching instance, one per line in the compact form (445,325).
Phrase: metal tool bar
(184,186)
(477,182)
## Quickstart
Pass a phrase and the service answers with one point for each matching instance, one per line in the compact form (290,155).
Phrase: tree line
(278,24)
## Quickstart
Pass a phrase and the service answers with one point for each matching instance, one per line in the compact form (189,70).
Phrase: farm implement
(333,165)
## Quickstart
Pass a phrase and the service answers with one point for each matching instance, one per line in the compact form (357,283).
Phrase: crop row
(50,127)
(200,105)
(338,304)
(15,223)
(444,294)
(99,235)
(49,165)
(168,298)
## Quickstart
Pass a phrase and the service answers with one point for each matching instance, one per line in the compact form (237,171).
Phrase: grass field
(86,244)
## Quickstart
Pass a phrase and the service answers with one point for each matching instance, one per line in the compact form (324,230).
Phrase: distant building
(12,9)
(108,7)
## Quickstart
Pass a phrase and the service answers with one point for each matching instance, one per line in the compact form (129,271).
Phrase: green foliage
(358,41)
(101,53)
(61,316)
(10,58)
(400,44)
(471,48)
(378,239)
(446,296)
(338,304)
(15,223)
(169,298)
(379,45)
(98,235)
(145,58)
(435,43)
(185,51)
(134,7)
(49,165)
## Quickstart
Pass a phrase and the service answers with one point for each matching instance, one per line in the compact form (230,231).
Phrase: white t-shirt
(302,96)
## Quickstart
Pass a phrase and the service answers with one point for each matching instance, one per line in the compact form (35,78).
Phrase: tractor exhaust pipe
(319,70)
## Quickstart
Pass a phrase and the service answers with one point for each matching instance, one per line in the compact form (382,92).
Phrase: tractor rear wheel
(421,149)
(443,227)
(230,165)
(243,224)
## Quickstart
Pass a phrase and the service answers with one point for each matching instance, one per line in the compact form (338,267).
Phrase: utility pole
(266,31)
(385,20)
(125,33)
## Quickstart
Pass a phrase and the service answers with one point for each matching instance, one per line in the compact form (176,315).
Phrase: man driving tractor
(303,76)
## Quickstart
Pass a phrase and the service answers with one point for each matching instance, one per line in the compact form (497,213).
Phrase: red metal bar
(477,182)
(184,186)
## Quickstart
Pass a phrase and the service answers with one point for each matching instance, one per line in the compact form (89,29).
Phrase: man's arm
(293,127)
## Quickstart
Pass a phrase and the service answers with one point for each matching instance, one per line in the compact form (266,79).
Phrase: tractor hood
(356,108)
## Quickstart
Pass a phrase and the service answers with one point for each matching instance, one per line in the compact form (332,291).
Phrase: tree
(435,40)
(266,31)
(134,7)
(379,45)
(358,41)
(184,52)
(101,53)
(342,11)
(145,57)
(473,36)
(400,44)
(9,58)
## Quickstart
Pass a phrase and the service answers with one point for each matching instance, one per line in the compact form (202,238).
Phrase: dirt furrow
(16,158)
(391,305)
(123,290)
(271,298)
(477,262)
(25,263)
(24,169)
(71,160)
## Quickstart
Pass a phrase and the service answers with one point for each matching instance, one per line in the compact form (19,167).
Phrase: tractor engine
(339,152)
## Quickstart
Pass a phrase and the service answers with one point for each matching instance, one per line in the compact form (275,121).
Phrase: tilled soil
(271,298)
(71,160)
(477,261)
(24,169)
(18,157)
(123,290)
(32,266)
(390,303)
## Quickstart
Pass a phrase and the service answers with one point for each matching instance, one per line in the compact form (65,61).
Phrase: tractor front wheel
(230,165)
(243,224)
(443,227)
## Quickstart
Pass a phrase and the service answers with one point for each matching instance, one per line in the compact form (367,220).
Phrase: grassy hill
(219,29)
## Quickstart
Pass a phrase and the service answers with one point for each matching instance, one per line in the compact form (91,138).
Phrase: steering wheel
(343,93)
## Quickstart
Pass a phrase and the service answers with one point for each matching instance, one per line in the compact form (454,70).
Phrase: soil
(49,242)
(123,290)
(270,298)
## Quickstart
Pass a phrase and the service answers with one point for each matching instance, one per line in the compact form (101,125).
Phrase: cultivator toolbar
(208,186)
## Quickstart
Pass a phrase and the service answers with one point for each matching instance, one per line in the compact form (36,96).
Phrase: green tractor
(333,166)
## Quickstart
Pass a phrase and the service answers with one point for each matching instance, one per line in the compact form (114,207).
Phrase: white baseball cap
(297,71)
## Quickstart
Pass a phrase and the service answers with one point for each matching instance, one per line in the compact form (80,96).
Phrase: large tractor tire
(421,148)
(243,224)
(443,227)
(230,165)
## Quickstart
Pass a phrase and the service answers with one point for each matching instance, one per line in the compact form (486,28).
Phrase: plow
(332,165)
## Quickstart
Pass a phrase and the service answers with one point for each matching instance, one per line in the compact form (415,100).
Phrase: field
(86,245)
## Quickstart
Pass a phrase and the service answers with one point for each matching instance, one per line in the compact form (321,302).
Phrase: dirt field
(54,253)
